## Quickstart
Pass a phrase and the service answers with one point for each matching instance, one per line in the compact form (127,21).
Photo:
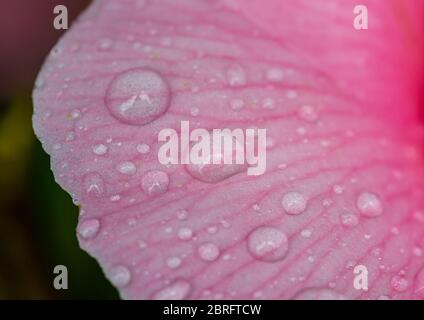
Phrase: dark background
(37,218)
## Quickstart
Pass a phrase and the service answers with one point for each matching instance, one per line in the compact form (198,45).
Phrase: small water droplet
(369,205)
(155,182)
(178,290)
(399,283)
(143,148)
(337,189)
(236,104)
(75,114)
(294,203)
(182,214)
(105,44)
(138,96)
(208,251)
(173,262)
(120,276)
(308,113)
(185,233)
(100,149)
(349,220)
(274,75)
(127,167)
(194,111)
(88,229)
(94,184)
(319,294)
(236,76)
(268,244)
(306,233)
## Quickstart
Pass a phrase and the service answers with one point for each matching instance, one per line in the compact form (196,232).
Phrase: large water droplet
(268,244)
(120,276)
(319,294)
(138,96)
(294,203)
(185,233)
(369,205)
(94,184)
(178,290)
(208,251)
(219,165)
(89,228)
(155,182)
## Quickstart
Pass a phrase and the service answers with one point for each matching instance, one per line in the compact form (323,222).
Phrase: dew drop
(120,276)
(75,114)
(294,203)
(236,76)
(236,104)
(274,75)
(143,148)
(208,251)
(399,283)
(185,233)
(138,96)
(88,229)
(349,220)
(178,290)
(369,205)
(173,262)
(308,113)
(155,182)
(105,44)
(267,244)
(100,149)
(319,294)
(94,184)
(217,166)
(127,167)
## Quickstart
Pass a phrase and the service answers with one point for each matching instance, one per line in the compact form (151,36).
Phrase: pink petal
(344,179)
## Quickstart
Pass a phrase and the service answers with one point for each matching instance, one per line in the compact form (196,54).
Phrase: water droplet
(274,75)
(178,290)
(268,244)
(236,76)
(349,220)
(70,136)
(236,104)
(182,214)
(294,203)
(94,184)
(185,233)
(127,167)
(75,114)
(306,233)
(155,182)
(399,283)
(138,96)
(105,44)
(115,198)
(194,111)
(369,205)
(419,284)
(143,148)
(88,229)
(338,189)
(308,113)
(208,251)
(217,165)
(100,149)
(173,262)
(268,103)
(319,294)
(120,276)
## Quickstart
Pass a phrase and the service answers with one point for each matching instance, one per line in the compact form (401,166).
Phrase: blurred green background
(37,218)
